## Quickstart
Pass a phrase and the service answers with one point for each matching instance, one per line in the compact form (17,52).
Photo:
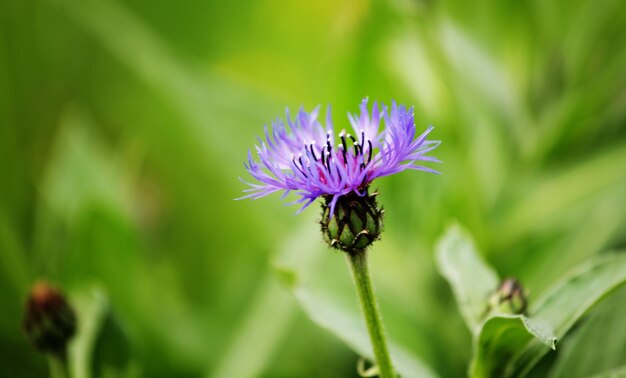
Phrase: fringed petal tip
(312,161)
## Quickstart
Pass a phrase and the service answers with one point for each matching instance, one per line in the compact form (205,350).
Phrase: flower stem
(58,366)
(371,312)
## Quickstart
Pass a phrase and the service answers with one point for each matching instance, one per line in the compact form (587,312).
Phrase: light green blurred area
(124,125)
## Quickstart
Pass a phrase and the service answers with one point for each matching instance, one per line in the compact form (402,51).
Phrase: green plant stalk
(371,312)
(58,366)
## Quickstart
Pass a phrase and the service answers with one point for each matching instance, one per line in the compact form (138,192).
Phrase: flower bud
(355,224)
(509,298)
(49,321)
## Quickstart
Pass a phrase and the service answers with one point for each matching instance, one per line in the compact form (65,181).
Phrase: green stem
(371,312)
(58,366)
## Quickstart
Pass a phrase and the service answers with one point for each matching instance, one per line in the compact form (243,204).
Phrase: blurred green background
(124,125)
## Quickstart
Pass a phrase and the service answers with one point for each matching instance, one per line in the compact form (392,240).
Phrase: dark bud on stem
(49,321)
(356,223)
(509,298)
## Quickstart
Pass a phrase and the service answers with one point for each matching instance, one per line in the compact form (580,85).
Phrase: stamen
(356,148)
(312,151)
(308,164)
(301,168)
(343,152)
(369,144)
(338,173)
(362,139)
(343,141)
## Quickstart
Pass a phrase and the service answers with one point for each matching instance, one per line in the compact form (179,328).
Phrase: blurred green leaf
(255,339)
(598,345)
(83,171)
(612,373)
(112,353)
(100,348)
(500,337)
(13,265)
(481,79)
(503,339)
(602,223)
(349,327)
(88,226)
(471,279)
(195,94)
(569,300)
(547,194)
(295,267)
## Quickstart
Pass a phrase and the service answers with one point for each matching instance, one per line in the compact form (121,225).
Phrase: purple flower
(312,161)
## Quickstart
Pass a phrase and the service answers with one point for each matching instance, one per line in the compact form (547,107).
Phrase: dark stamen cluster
(325,153)
(359,148)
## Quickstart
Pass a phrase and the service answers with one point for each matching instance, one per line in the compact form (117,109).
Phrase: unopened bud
(355,224)
(49,321)
(509,298)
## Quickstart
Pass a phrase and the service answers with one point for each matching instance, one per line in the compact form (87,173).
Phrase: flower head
(312,161)
(49,320)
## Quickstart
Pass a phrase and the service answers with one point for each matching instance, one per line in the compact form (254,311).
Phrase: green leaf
(100,347)
(598,345)
(112,353)
(300,262)
(471,279)
(503,339)
(570,299)
(583,179)
(349,327)
(149,57)
(13,265)
(255,339)
(499,338)
(90,306)
(476,67)
(619,372)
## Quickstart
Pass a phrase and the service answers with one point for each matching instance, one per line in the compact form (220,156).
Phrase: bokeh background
(124,125)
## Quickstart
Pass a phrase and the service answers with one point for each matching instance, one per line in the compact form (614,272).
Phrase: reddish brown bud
(509,298)
(49,321)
